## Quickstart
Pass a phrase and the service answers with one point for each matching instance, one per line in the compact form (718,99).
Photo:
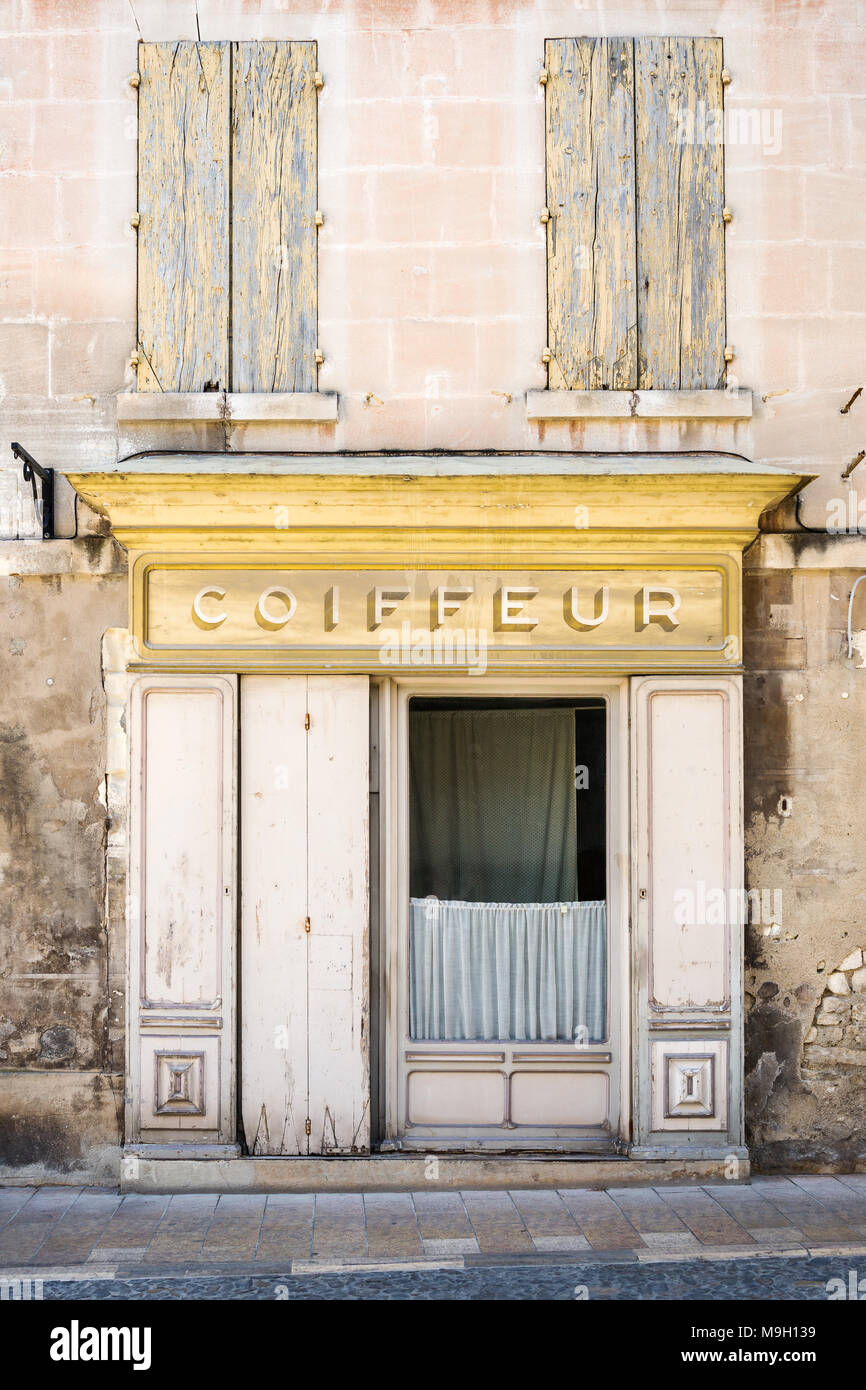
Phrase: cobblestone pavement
(782,1279)
(432,1240)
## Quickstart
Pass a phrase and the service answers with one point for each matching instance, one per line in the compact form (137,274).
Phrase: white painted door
(304,913)
(273,1002)
(687,910)
(182,909)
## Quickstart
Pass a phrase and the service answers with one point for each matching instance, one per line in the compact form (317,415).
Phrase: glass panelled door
(508,956)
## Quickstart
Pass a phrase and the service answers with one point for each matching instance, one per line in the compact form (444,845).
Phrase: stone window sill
(229,407)
(638,405)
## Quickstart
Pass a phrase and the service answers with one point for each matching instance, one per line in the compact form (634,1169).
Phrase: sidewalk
(93,1232)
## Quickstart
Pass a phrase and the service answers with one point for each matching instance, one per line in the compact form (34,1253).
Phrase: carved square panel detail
(180,1077)
(689,1086)
(178,1083)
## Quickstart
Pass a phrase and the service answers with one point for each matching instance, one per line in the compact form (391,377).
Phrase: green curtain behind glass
(492,805)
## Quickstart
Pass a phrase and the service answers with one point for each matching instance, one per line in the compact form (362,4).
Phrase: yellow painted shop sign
(258,617)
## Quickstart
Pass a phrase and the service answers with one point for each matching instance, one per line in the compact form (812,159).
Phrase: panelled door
(304,1036)
(688,911)
(182,910)
(508,986)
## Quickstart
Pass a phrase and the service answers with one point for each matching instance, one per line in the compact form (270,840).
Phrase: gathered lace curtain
(500,947)
(531,971)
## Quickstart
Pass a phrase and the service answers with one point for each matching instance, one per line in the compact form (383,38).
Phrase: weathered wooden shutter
(182,914)
(635,193)
(680,198)
(273,232)
(183,206)
(304,862)
(227,204)
(687,745)
(591,233)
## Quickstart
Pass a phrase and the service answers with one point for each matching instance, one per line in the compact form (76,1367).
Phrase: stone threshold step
(401,1173)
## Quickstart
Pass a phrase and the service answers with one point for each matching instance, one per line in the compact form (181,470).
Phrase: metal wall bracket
(44,505)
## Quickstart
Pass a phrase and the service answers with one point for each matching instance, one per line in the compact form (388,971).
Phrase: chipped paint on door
(182,908)
(687,750)
(304,918)
(273,1066)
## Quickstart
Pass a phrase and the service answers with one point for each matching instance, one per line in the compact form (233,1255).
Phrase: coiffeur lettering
(583,609)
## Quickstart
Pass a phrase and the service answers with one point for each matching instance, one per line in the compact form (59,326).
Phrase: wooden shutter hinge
(729,354)
(318,80)
(307,721)
(135,220)
(319,357)
(543,77)
(134,80)
(727,215)
(307,925)
(726,77)
(546,356)
(308,1128)
(544,216)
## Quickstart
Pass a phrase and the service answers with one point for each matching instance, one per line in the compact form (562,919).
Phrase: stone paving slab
(454,1245)
(23,1235)
(338,1225)
(647,1212)
(287,1227)
(442,1216)
(834,1195)
(11,1200)
(233,1233)
(776,1235)
(131,1228)
(547,1218)
(705,1217)
(182,1230)
(99,1230)
(752,1211)
(817,1222)
(600,1219)
(392,1227)
(497,1222)
(79,1229)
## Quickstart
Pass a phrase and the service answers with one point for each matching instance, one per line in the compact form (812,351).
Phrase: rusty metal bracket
(44,505)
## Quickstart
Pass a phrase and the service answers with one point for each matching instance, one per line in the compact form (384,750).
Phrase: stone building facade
(433,328)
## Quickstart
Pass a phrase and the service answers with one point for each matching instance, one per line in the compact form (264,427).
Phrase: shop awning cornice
(408,508)
(437,464)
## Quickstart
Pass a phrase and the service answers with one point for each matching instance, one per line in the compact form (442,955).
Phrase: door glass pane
(507,870)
